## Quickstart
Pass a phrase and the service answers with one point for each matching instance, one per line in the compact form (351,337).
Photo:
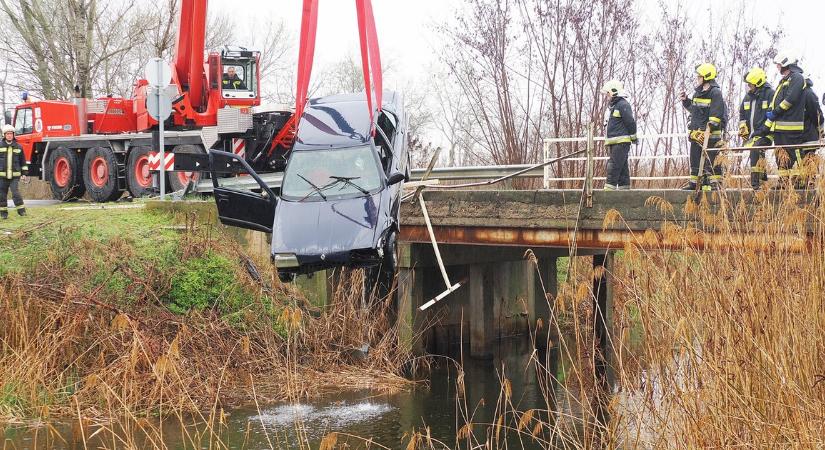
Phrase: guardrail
(523,170)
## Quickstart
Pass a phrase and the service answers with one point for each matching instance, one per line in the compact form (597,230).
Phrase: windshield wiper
(348,182)
(315,189)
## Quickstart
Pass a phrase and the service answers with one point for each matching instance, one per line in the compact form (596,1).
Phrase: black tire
(389,263)
(286,277)
(179,180)
(100,174)
(67,184)
(138,177)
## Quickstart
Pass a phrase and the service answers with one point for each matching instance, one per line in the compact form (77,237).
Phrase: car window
(387,123)
(333,173)
(23,121)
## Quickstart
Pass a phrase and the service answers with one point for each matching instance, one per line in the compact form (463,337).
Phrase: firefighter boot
(21,211)
(4,215)
(756,180)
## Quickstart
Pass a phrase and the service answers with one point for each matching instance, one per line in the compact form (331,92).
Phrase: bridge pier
(603,329)
(501,296)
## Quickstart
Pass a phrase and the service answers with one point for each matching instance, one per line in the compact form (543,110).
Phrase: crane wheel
(139,180)
(100,174)
(65,174)
(179,180)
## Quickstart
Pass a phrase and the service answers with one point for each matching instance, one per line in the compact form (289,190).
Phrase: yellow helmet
(756,76)
(707,71)
(614,88)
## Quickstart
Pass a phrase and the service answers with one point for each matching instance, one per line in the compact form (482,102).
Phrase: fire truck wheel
(65,174)
(138,177)
(179,180)
(100,174)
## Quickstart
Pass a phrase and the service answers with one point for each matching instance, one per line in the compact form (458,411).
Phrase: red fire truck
(104,146)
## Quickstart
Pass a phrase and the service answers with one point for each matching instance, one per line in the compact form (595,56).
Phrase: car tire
(100,170)
(179,179)
(65,174)
(286,277)
(138,177)
(390,261)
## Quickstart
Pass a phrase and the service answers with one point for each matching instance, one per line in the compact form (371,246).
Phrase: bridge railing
(584,170)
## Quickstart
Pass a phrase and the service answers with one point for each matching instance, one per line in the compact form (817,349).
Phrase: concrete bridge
(483,237)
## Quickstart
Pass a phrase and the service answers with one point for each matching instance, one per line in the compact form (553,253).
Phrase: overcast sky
(406,36)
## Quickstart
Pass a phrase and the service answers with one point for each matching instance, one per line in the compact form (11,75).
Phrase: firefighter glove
(770,115)
(744,132)
(697,136)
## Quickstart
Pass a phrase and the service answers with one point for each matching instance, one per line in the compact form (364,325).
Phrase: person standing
(807,165)
(786,118)
(621,132)
(752,114)
(12,167)
(707,112)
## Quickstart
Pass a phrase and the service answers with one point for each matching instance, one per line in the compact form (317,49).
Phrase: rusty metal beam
(600,240)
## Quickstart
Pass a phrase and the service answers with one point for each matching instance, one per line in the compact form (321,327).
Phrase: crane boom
(189,49)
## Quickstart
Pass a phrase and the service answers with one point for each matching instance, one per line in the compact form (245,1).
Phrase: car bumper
(358,258)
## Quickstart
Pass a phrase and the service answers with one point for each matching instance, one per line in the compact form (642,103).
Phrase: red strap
(375,54)
(306,52)
(360,8)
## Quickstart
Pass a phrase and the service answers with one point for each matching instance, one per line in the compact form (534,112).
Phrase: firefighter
(707,111)
(621,132)
(12,166)
(814,130)
(752,127)
(231,80)
(786,118)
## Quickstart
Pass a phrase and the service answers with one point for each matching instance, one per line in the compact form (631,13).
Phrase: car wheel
(100,174)
(390,261)
(65,174)
(286,277)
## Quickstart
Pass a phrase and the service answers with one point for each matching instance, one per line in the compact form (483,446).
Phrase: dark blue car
(340,196)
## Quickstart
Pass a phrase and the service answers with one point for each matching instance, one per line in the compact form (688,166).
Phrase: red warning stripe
(154,161)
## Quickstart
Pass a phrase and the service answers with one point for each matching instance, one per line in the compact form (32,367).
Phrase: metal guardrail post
(546,149)
(588,182)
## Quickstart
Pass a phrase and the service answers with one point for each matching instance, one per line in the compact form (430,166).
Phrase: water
(386,418)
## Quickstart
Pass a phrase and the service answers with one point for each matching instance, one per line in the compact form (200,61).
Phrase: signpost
(159,105)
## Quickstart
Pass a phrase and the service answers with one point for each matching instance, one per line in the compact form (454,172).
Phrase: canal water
(387,419)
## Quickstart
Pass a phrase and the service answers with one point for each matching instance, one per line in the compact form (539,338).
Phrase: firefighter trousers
(759,173)
(790,161)
(710,172)
(618,172)
(13,184)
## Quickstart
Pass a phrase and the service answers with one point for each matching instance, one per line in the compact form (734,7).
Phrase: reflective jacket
(234,82)
(621,125)
(707,107)
(12,160)
(753,109)
(813,113)
(788,104)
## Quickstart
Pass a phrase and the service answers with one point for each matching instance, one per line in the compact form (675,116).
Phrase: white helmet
(614,88)
(785,59)
(8,129)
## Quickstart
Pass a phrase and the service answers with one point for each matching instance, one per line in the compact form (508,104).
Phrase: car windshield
(321,174)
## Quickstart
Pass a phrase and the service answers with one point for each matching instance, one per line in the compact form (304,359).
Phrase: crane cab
(238,77)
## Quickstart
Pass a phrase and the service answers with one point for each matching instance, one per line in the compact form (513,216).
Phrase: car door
(241,208)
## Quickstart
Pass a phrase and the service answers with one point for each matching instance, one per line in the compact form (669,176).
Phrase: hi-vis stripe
(617,140)
(617,113)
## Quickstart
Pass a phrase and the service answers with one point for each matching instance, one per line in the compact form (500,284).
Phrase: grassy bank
(139,312)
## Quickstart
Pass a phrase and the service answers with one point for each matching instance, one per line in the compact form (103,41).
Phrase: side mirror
(395,178)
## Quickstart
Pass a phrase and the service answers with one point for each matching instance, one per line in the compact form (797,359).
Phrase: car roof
(339,121)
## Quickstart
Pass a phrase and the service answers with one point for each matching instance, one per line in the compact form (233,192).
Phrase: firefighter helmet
(614,88)
(8,129)
(785,59)
(707,71)
(756,76)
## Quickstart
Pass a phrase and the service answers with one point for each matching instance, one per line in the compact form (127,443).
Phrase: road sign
(158,104)
(158,72)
